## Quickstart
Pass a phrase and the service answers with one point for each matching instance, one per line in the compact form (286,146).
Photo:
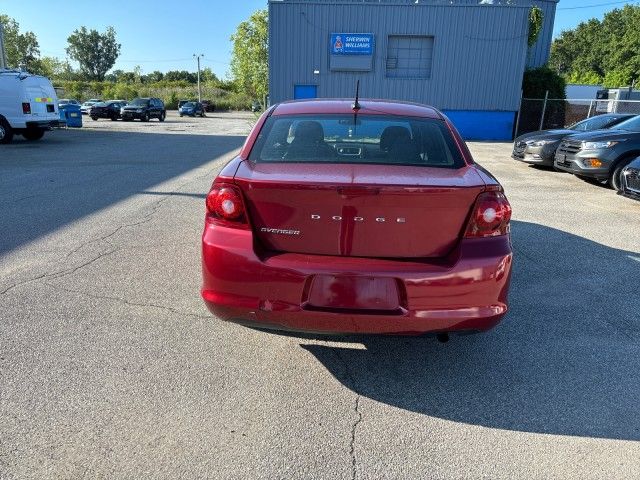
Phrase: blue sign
(351,44)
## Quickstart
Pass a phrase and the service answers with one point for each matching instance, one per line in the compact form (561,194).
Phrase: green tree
(597,51)
(22,49)
(114,76)
(207,76)
(178,75)
(154,77)
(95,52)
(250,55)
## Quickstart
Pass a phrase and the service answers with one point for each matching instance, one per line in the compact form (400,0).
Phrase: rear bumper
(467,291)
(46,124)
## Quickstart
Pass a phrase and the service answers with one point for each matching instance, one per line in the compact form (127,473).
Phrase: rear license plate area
(337,292)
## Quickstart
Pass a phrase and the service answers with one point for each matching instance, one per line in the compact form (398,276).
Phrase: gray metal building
(466,57)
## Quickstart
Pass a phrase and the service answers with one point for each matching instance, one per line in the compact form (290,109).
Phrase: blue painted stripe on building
(483,125)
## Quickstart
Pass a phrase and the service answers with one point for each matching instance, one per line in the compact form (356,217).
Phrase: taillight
(224,202)
(490,217)
(26,108)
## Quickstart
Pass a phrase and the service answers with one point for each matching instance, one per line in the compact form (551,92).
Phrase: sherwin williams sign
(351,44)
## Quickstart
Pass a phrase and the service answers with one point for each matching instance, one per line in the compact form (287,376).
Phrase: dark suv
(601,155)
(144,109)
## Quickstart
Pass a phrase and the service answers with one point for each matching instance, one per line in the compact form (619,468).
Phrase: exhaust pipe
(442,337)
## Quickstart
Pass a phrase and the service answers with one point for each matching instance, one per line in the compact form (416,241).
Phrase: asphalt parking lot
(111,367)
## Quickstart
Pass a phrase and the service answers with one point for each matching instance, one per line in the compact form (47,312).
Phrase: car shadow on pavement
(566,359)
(72,174)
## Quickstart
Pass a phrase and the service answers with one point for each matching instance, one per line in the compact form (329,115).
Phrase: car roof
(345,106)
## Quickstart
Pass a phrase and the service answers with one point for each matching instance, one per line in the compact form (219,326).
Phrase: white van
(28,105)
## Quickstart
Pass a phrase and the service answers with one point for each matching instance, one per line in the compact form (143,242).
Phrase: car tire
(615,180)
(6,132)
(181,115)
(95,119)
(145,117)
(113,118)
(162,116)
(32,134)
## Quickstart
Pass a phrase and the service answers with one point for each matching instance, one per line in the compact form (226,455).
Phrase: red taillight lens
(490,216)
(26,108)
(224,202)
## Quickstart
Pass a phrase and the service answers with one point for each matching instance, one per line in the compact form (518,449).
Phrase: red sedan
(356,218)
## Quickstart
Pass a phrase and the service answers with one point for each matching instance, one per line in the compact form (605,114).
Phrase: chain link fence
(540,114)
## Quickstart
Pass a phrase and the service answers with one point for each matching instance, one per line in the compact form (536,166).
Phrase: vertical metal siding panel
(467,73)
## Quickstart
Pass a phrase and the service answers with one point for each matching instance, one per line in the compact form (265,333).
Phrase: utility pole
(3,53)
(199,90)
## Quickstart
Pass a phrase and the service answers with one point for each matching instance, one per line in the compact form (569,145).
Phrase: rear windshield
(373,139)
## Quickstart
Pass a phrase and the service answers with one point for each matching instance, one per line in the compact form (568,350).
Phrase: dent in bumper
(466,291)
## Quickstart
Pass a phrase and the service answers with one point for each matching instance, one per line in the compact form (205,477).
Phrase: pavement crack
(125,301)
(58,274)
(356,409)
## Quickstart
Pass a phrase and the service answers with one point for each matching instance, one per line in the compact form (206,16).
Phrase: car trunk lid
(358,209)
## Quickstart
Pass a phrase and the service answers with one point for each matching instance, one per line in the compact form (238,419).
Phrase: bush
(535,84)
(169,92)
(538,80)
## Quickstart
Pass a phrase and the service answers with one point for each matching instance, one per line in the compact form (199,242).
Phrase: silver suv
(602,154)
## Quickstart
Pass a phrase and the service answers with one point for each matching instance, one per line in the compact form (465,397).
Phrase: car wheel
(33,134)
(113,118)
(615,180)
(6,132)
(145,117)
(95,119)
(181,115)
(162,116)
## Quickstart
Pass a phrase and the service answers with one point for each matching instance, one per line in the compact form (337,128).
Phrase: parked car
(182,102)
(28,105)
(110,109)
(208,106)
(366,220)
(144,109)
(631,180)
(601,155)
(85,108)
(191,109)
(539,148)
(256,106)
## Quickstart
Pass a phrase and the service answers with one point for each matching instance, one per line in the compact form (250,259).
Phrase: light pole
(3,55)
(197,57)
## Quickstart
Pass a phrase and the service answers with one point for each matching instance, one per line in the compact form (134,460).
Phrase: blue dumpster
(71,115)
(63,116)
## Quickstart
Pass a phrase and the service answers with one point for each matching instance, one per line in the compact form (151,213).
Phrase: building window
(409,56)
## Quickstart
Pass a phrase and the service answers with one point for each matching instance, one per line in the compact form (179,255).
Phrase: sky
(163,35)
